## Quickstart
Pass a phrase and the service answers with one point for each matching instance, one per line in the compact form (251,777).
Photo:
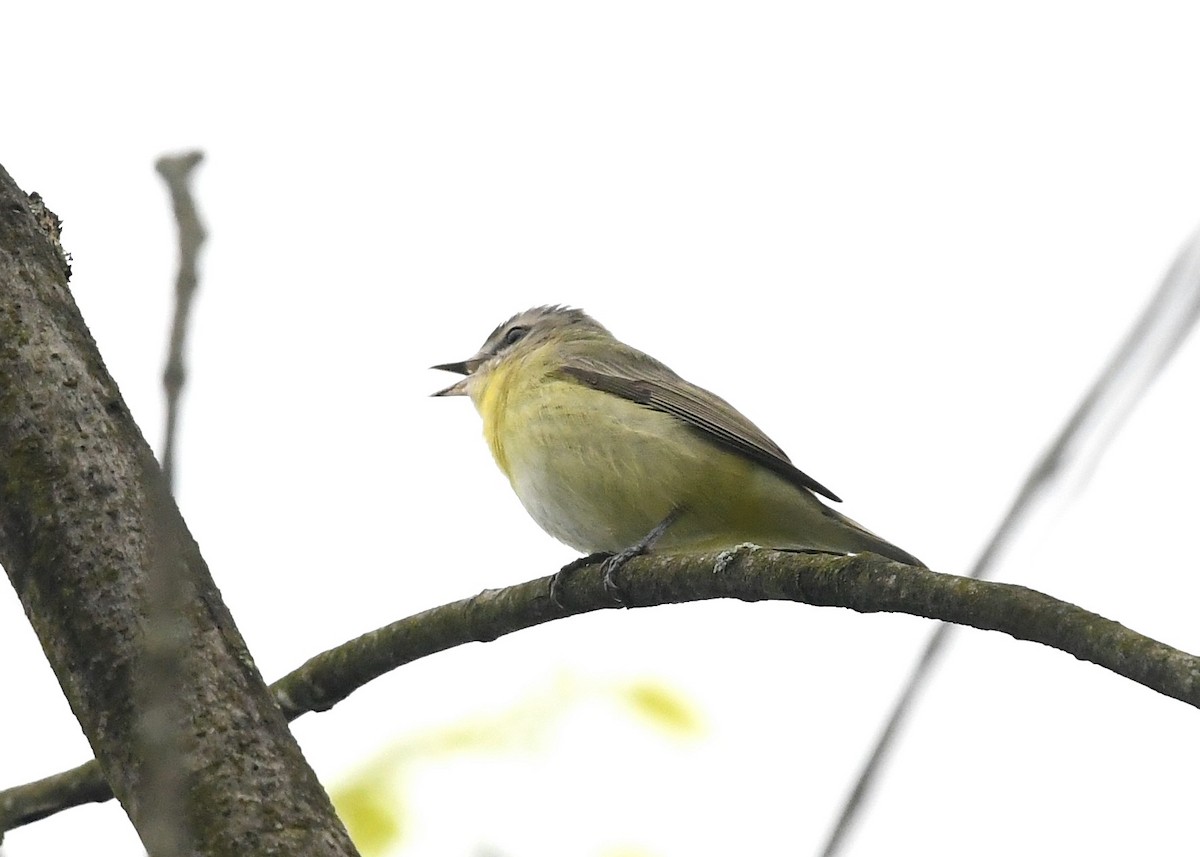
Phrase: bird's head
(517,338)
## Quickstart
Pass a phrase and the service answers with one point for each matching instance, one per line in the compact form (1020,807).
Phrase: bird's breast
(595,471)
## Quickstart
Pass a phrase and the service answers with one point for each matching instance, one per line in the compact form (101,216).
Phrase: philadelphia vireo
(612,452)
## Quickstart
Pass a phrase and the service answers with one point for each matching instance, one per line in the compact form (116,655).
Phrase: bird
(614,454)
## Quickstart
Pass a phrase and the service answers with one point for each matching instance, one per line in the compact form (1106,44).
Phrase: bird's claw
(572,566)
(613,562)
(610,568)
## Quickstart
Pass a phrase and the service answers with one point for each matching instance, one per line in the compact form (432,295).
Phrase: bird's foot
(572,566)
(614,563)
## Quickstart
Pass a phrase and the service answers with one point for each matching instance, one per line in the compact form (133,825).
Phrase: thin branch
(176,171)
(43,798)
(865,583)
(162,661)
(1061,470)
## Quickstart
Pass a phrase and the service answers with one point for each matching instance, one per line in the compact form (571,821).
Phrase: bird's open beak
(464,367)
(461,367)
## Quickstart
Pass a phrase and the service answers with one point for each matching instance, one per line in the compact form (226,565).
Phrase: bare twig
(1062,470)
(865,583)
(176,171)
(160,728)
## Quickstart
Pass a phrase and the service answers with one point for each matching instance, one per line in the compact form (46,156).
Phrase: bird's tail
(852,537)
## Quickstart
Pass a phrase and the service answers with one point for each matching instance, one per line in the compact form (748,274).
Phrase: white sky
(900,237)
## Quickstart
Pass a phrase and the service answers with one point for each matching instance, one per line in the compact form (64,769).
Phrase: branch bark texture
(865,583)
(79,491)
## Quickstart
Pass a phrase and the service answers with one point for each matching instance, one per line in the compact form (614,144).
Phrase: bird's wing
(635,376)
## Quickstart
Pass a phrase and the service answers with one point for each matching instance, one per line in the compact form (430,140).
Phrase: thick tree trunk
(82,517)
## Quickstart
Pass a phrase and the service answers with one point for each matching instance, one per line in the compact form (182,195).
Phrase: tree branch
(177,173)
(865,583)
(79,496)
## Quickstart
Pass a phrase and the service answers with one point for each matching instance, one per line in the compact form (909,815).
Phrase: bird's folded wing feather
(711,415)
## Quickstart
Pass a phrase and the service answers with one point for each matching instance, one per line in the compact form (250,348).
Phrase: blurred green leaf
(371,811)
(663,707)
(371,802)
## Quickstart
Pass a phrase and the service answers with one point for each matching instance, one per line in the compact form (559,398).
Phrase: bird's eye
(515,334)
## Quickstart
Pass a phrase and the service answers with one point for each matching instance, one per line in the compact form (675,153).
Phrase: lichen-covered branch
(866,583)
(79,492)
